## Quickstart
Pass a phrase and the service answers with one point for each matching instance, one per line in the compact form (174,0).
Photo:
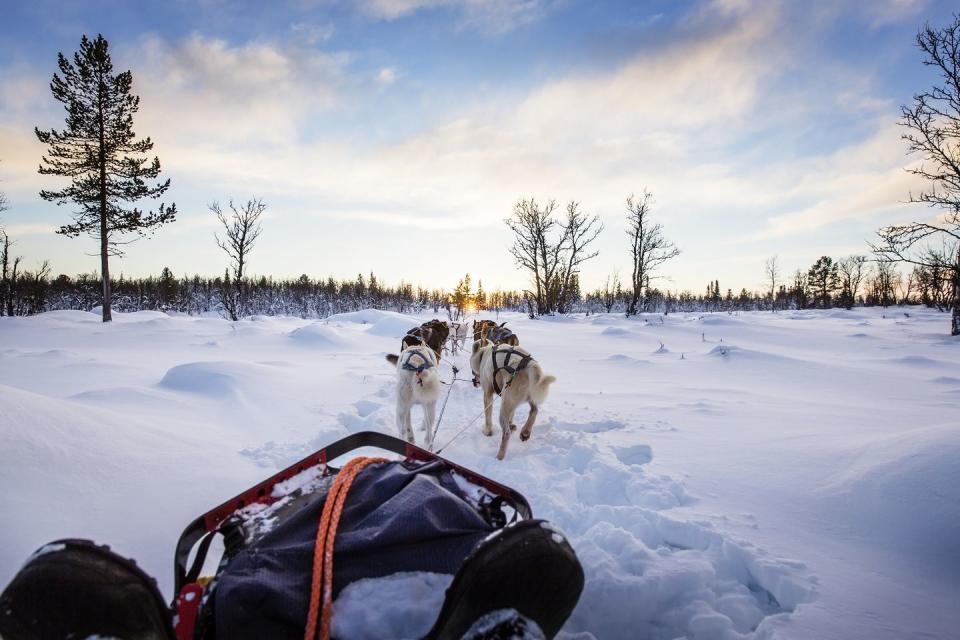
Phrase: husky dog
(480,327)
(433,334)
(499,334)
(418,382)
(458,336)
(513,374)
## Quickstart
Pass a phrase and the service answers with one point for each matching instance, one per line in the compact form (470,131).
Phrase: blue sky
(394,135)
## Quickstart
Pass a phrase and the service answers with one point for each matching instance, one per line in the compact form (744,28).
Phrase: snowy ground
(794,475)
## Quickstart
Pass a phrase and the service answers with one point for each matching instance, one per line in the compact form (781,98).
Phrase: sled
(263,492)
(268,531)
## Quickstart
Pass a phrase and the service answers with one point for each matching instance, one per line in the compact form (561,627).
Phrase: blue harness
(409,366)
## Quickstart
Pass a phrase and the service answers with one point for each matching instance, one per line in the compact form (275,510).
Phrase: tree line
(31,292)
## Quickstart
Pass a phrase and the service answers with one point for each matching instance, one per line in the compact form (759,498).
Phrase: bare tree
(552,260)
(649,249)
(934,282)
(885,282)
(907,286)
(852,271)
(6,283)
(933,131)
(531,226)
(241,228)
(6,289)
(771,269)
(611,291)
(579,231)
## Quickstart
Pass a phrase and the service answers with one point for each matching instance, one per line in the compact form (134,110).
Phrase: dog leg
(429,418)
(403,421)
(487,412)
(528,425)
(507,409)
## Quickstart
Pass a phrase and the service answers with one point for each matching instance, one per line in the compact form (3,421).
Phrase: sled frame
(262,492)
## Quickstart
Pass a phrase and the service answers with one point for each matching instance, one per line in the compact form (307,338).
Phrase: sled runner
(293,542)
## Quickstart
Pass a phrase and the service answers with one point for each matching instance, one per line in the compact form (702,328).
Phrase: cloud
(495,16)
(857,182)
(386,76)
(596,137)
(258,92)
(880,13)
(19,230)
(313,34)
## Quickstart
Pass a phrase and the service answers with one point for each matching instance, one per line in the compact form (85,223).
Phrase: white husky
(458,336)
(513,374)
(418,382)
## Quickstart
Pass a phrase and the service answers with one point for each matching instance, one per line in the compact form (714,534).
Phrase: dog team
(500,366)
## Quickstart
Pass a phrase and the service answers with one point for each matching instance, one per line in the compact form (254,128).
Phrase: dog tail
(539,384)
(393,358)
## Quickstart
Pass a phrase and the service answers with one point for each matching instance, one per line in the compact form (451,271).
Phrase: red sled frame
(262,492)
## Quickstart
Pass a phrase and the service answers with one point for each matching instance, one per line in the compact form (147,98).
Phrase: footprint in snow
(366,407)
(637,454)
(595,426)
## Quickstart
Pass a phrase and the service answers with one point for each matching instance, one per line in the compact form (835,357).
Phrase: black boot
(525,572)
(76,589)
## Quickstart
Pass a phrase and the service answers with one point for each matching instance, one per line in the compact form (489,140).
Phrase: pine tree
(823,280)
(99,152)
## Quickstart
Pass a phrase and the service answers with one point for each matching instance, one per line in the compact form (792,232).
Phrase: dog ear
(503,324)
(425,333)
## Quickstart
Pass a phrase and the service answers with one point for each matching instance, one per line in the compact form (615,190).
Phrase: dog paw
(513,427)
(524,436)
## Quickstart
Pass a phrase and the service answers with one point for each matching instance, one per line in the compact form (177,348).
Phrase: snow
(401,606)
(789,475)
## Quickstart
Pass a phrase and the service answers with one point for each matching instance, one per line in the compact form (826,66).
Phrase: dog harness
(414,337)
(409,366)
(499,335)
(504,365)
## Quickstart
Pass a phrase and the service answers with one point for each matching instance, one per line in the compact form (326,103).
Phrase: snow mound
(905,489)
(80,471)
(625,359)
(918,361)
(129,316)
(317,335)
(724,350)
(615,331)
(757,357)
(382,323)
(70,316)
(607,319)
(399,606)
(214,379)
(721,320)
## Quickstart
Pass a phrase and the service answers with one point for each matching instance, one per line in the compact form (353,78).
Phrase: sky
(395,136)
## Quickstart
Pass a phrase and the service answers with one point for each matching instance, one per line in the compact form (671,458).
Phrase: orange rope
(323,549)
